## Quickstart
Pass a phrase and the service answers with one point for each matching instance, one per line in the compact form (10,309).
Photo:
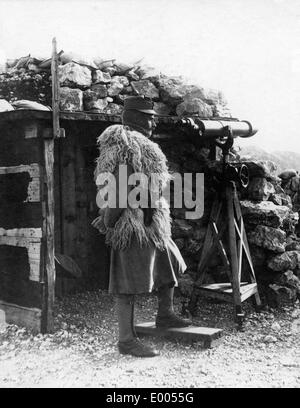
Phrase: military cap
(139,103)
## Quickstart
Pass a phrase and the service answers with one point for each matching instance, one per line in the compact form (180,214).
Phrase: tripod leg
(206,253)
(208,241)
(235,281)
(256,300)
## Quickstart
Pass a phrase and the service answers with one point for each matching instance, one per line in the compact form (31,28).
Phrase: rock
(101,77)
(295,314)
(290,280)
(260,189)
(171,90)
(258,255)
(74,75)
(275,198)
(296,205)
(181,229)
(202,154)
(110,70)
(281,295)
(267,213)
(161,108)
(99,89)
(296,198)
(275,326)
(220,110)
(287,187)
(194,106)
(146,88)
(133,75)
(270,339)
(98,104)
(287,174)
(146,72)
(127,90)
(268,237)
(293,246)
(117,84)
(290,222)
(91,98)
(286,200)
(295,182)
(213,96)
(261,168)
(297,272)
(285,261)
(113,109)
(281,199)
(278,189)
(291,238)
(71,99)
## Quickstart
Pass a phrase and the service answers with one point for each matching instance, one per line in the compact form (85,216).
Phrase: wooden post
(55,91)
(49,181)
(49,230)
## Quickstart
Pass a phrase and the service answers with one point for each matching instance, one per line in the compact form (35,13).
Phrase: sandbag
(5,106)
(31,105)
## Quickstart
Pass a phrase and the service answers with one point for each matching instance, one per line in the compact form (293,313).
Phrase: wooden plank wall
(22,294)
(76,197)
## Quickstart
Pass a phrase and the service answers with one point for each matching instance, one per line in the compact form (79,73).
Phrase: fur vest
(120,145)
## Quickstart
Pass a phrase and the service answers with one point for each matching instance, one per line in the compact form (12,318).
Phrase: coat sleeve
(112,215)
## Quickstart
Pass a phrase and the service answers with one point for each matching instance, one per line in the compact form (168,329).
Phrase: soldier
(143,255)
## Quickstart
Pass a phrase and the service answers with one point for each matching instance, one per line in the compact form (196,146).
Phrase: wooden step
(206,335)
(223,291)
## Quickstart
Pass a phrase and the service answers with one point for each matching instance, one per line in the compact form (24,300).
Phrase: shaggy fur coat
(119,144)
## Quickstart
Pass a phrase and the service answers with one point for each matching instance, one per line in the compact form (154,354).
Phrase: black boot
(128,342)
(165,316)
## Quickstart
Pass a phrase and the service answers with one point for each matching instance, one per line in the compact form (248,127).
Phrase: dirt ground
(82,350)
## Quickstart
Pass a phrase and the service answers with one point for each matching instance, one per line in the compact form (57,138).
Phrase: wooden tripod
(226,216)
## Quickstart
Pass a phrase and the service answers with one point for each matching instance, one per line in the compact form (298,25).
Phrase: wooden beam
(206,335)
(22,232)
(49,231)
(55,91)
(33,169)
(21,316)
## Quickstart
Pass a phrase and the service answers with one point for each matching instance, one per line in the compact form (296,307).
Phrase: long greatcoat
(143,257)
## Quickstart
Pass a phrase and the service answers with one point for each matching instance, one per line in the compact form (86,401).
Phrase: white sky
(249,49)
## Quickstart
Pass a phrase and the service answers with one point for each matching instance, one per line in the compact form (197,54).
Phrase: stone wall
(271,221)
(101,86)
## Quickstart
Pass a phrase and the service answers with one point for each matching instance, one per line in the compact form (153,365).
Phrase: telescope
(221,132)
(216,128)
